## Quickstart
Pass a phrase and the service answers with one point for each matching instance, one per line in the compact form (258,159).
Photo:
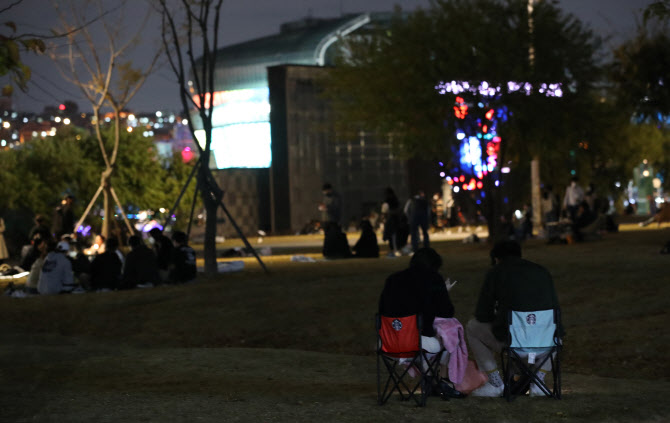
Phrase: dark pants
(414,230)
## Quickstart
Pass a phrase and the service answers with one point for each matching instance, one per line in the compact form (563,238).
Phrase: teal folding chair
(533,340)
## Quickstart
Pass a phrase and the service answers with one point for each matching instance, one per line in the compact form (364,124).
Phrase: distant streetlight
(66,121)
(5,124)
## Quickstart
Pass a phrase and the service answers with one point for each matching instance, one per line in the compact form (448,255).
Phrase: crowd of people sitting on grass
(66,265)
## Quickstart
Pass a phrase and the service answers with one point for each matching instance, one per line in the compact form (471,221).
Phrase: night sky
(244,20)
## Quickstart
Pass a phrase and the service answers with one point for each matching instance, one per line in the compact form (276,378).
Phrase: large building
(273,141)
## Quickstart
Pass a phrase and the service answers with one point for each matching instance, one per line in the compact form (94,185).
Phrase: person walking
(574,195)
(417,210)
(391,217)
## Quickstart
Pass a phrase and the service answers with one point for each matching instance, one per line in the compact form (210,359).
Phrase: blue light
(441,164)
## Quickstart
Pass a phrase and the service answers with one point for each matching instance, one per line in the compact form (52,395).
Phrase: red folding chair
(399,348)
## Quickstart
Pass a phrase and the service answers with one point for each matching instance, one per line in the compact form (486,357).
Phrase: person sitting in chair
(512,284)
(420,289)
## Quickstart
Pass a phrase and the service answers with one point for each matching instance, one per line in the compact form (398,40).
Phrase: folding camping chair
(399,348)
(533,340)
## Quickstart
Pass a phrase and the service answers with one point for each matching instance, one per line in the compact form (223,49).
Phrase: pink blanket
(450,333)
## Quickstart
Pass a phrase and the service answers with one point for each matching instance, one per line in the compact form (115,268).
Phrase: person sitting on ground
(141,266)
(662,215)
(40,247)
(583,218)
(163,249)
(512,284)
(106,267)
(81,265)
(183,267)
(98,246)
(56,270)
(367,245)
(420,289)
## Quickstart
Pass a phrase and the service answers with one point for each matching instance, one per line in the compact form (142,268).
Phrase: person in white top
(574,195)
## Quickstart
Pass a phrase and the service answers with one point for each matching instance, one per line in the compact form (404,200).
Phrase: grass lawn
(297,345)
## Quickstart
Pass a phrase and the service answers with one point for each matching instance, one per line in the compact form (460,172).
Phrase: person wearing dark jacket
(141,265)
(163,249)
(420,289)
(367,245)
(512,284)
(106,267)
(183,261)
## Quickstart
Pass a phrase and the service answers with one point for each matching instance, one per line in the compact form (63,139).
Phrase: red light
(61,107)
(462,178)
(480,185)
(485,129)
(187,155)
(489,114)
(450,181)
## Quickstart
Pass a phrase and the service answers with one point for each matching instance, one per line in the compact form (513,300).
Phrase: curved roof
(304,42)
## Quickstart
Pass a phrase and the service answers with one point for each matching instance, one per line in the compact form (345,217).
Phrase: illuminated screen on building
(241,134)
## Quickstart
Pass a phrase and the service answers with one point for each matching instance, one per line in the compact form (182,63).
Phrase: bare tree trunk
(535,194)
(108,210)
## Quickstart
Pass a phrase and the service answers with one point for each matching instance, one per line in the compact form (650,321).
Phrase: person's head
(426,259)
(573,181)
(505,249)
(99,240)
(68,199)
(63,247)
(179,238)
(111,244)
(327,188)
(39,219)
(134,241)
(155,233)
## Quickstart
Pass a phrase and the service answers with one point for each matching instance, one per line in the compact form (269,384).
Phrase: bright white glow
(43,133)
(241,135)
(247,145)
(67,121)
(645,173)
(656,183)
(159,114)
(442,174)
(131,117)
(456,188)
(484,88)
(129,129)
(460,135)
(617,184)
(184,121)
(25,120)
(505,170)
(3,143)
(518,214)
(5,124)
(57,119)
(162,210)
